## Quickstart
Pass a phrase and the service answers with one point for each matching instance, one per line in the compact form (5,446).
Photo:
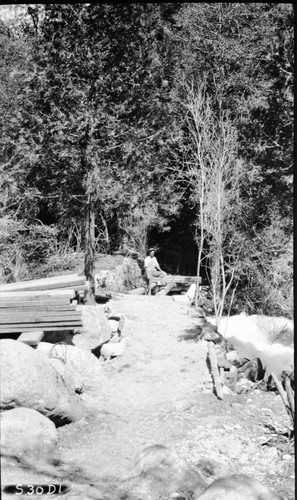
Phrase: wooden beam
(215,370)
(89,253)
(180,279)
(6,319)
(78,288)
(49,328)
(58,281)
(42,319)
(35,294)
(8,313)
(167,289)
(51,279)
(31,338)
(51,305)
(49,286)
(46,327)
(45,284)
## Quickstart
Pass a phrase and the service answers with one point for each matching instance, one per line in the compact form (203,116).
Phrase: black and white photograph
(146,251)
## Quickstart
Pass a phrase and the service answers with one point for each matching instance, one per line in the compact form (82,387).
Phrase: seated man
(152,268)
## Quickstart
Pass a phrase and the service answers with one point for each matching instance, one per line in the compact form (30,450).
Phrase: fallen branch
(215,370)
(290,396)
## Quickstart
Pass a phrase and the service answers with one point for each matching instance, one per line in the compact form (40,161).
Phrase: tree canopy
(92,101)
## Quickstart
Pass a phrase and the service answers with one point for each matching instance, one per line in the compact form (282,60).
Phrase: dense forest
(174,119)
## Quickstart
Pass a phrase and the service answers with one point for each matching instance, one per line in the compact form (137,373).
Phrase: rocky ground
(160,392)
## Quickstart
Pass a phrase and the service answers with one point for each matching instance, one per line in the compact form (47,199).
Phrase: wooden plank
(39,318)
(180,279)
(48,327)
(34,320)
(45,284)
(72,316)
(24,286)
(25,295)
(37,301)
(59,299)
(52,279)
(31,338)
(42,305)
(167,289)
(215,370)
(78,288)
(48,286)
(51,328)
(8,313)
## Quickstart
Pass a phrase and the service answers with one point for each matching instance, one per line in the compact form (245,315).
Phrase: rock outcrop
(28,380)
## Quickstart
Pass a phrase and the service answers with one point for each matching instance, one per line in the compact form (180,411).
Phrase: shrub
(21,244)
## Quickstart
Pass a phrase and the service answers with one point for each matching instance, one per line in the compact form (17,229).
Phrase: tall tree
(101,110)
(214,173)
(245,52)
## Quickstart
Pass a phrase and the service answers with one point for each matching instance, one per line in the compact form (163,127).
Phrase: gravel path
(160,392)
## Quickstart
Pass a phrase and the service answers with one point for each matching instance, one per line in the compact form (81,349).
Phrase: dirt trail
(160,392)
(158,373)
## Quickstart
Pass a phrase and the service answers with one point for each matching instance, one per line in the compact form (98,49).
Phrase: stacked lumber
(40,305)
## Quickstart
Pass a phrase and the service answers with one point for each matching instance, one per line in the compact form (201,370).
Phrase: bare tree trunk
(214,175)
(202,237)
(107,238)
(90,248)
(215,282)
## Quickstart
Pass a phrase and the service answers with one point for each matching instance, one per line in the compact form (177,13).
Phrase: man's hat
(151,250)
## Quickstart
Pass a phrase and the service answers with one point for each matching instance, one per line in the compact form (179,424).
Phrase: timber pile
(41,305)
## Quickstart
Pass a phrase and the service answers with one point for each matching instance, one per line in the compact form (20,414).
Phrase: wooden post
(90,248)
(290,395)
(287,397)
(215,370)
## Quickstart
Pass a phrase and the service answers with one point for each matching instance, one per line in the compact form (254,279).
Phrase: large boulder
(127,276)
(238,487)
(27,434)
(253,370)
(96,328)
(28,380)
(81,361)
(162,473)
